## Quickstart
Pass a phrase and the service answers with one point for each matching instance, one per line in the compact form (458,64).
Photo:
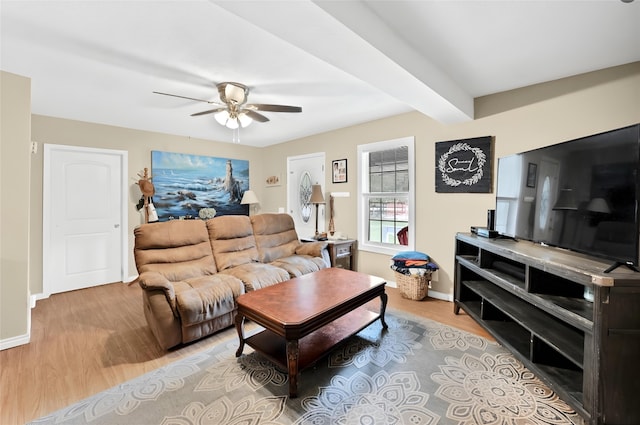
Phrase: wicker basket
(413,287)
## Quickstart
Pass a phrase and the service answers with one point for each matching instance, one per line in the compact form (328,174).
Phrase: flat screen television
(580,195)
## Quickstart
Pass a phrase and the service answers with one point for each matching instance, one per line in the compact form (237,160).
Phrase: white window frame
(363,186)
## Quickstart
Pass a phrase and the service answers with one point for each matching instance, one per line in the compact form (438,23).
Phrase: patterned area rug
(417,372)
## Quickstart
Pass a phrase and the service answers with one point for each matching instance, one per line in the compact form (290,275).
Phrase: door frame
(46,208)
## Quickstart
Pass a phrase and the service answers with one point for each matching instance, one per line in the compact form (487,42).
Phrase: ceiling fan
(233,111)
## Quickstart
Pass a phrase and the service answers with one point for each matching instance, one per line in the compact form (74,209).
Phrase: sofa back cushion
(232,241)
(275,235)
(177,249)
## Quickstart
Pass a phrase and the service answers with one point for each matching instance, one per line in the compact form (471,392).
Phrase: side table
(341,253)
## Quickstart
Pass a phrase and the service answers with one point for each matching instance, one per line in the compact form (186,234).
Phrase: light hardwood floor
(83,342)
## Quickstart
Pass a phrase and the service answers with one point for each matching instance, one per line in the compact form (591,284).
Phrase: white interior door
(304,171)
(84,218)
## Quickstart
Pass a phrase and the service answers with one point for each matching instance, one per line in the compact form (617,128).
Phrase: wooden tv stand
(531,298)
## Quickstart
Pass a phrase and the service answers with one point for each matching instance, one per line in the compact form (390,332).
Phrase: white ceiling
(343,62)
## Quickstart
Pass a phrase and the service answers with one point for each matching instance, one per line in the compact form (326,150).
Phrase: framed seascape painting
(185,184)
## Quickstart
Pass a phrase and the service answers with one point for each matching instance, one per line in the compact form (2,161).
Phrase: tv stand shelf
(531,298)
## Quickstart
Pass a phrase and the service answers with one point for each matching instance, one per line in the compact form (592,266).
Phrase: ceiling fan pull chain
(236,135)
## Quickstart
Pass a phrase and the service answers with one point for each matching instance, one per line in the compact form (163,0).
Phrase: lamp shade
(566,200)
(221,117)
(316,194)
(233,121)
(599,205)
(249,197)
(244,119)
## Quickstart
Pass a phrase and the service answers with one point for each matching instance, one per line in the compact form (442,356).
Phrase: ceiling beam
(349,36)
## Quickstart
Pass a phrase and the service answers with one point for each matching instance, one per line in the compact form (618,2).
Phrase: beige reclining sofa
(192,271)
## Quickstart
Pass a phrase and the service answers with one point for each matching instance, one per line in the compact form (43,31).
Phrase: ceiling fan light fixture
(245,120)
(232,123)
(234,92)
(233,111)
(222,117)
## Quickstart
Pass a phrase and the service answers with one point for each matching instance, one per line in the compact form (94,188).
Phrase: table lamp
(316,198)
(250,198)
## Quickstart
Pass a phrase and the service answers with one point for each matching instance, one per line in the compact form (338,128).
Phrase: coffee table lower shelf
(314,346)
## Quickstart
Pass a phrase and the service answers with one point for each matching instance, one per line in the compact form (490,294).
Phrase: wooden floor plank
(85,341)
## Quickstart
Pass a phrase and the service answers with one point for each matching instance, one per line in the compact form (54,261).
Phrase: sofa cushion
(258,275)
(275,236)
(177,249)
(206,297)
(232,241)
(298,265)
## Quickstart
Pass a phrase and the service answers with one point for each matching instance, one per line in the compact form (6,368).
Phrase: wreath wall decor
(464,166)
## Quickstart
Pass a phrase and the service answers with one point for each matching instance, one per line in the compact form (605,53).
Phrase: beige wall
(139,145)
(15,128)
(520,120)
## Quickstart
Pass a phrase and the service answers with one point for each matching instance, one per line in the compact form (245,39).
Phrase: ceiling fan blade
(255,116)
(274,108)
(188,98)
(210,111)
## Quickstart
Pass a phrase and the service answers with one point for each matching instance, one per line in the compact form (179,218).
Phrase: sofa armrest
(150,281)
(313,249)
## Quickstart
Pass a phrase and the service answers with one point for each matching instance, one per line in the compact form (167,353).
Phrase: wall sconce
(317,198)
(250,198)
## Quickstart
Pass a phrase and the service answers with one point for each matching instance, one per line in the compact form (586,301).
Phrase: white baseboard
(41,296)
(440,295)
(23,339)
(431,294)
(38,297)
(14,341)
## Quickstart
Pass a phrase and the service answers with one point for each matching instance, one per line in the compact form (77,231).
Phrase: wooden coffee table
(305,317)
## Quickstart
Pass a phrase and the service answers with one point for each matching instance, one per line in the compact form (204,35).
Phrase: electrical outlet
(34,147)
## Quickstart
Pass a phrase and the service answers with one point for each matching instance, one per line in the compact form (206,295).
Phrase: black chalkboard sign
(464,166)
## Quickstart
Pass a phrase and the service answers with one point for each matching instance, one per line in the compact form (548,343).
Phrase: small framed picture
(532,174)
(339,171)
(273,180)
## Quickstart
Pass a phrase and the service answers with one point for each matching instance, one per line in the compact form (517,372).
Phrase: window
(386,195)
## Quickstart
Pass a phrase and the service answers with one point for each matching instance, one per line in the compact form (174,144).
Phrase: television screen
(580,195)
